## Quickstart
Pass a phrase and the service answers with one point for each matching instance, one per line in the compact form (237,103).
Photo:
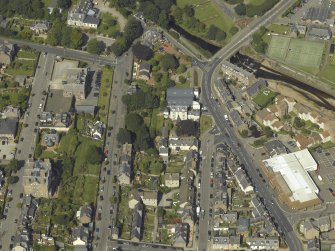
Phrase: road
(205,189)
(64,52)
(228,132)
(116,113)
(26,145)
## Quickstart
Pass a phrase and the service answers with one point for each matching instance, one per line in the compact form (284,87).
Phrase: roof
(137,221)
(149,195)
(172,176)
(6,48)
(243,224)
(255,87)
(293,168)
(91,20)
(181,233)
(318,32)
(236,117)
(317,14)
(8,126)
(275,147)
(179,96)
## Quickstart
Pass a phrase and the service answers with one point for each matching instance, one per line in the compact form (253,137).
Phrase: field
(264,97)
(209,14)
(296,52)
(206,123)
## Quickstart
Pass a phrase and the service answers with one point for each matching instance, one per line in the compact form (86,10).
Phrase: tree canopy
(169,62)
(142,52)
(95,47)
(187,128)
(125,136)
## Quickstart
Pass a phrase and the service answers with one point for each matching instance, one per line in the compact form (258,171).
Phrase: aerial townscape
(144,125)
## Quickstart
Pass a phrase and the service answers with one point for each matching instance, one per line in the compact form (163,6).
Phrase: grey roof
(275,147)
(91,20)
(268,242)
(6,48)
(230,217)
(179,96)
(80,232)
(221,240)
(125,169)
(314,245)
(181,233)
(86,210)
(137,221)
(144,67)
(317,14)
(255,87)
(243,224)
(8,126)
(319,33)
(236,117)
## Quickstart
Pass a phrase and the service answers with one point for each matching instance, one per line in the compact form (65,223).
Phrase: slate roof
(8,126)
(179,96)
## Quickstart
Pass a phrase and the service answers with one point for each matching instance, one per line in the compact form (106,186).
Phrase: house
(238,121)
(252,90)
(263,243)
(274,148)
(85,214)
(183,144)
(230,217)
(144,71)
(319,33)
(288,100)
(243,225)
(266,118)
(259,210)
(279,109)
(84,16)
(50,139)
(97,130)
(314,245)
(308,230)
(193,115)
(7,52)
(164,149)
(134,199)
(137,223)
(243,181)
(302,141)
(187,193)
(317,15)
(40,27)
(149,198)
(179,100)
(181,235)
(10,112)
(227,243)
(75,83)
(80,236)
(38,178)
(126,164)
(46,117)
(172,180)
(8,129)
(322,223)
(237,73)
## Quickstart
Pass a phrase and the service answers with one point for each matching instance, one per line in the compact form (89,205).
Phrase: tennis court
(297,52)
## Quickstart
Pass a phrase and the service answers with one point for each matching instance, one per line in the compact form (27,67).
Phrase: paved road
(27,145)
(116,120)
(64,52)
(205,189)
(128,246)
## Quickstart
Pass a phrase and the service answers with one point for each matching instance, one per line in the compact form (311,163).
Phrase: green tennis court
(295,51)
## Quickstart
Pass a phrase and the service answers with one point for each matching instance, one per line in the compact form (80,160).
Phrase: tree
(268,132)
(64,4)
(244,133)
(169,62)
(13,179)
(211,33)
(119,46)
(164,4)
(187,128)
(233,30)
(133,121)
(150,11)
(95,47)
(188,10)
(182,79)
(220,35)
(133,30)
(142,52)
(124,136)
(94,154)
(298,122)
(163,19)
(14,165)
(181,69)
(241,9)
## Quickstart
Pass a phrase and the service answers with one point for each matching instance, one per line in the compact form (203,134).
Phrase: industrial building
(288,175)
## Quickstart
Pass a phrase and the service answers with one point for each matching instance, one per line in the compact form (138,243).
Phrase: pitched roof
(179,96)
(8,126)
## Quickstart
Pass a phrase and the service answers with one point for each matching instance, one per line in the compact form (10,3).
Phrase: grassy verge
(206,122)
(105,90)
(264,97)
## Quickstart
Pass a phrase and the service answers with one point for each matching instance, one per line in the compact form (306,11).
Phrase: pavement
(116,113)
(26,146)
(64,52)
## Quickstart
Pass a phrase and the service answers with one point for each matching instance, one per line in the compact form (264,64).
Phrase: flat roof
(293,168)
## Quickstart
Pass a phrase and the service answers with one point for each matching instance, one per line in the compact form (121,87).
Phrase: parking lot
(326,161)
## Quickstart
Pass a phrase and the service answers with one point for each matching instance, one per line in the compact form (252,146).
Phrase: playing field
(296,51)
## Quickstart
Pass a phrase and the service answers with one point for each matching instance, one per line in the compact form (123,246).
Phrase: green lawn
(104,93)
(264,97)
(328,73)
(157,120)
(21,67)
(26,54)
(279,29)
(206,123)
(108,25)
(85,190)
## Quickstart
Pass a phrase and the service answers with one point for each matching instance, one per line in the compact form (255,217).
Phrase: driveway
(103,7)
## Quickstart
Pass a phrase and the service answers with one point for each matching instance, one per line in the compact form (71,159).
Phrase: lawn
(104,93)
(149,221)
(26,54)
(16,97)
(21,67)
(85,190)
(279,29)
(124,213)
(328,73)
(264,97)
(157,120)
(206,122)
(296,52)
(176,163)
(108,25)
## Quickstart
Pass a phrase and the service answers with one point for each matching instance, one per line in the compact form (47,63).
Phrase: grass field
(264,97)
(208,13)
(104,93)
(206,123)
(296,52)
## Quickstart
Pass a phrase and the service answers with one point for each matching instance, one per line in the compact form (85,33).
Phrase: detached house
(85,214)
(84,15)
(126,163)
(172,180)
(7,52)
(179,101)
(149,198)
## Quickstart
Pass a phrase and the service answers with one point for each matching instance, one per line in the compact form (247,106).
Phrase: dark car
(109,134)
(101,197)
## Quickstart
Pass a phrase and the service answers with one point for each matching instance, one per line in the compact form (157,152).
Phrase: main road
(228,132)
(64,52)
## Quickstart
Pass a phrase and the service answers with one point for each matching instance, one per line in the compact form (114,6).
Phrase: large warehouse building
(288,174)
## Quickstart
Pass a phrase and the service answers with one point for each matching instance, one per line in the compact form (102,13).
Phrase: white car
(41,105)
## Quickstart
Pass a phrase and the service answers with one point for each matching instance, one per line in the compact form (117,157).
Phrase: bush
(13,179)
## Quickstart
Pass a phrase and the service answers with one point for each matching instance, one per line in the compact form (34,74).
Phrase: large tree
(95,47)
(187,128)
(169,62)
(133,121)
(124,136)
(142,52)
